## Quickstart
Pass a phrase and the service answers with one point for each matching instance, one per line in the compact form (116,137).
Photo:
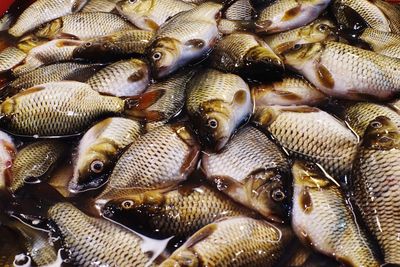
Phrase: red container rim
(4,6)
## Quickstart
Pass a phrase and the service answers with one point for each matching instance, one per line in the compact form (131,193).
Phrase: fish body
(100,6)
(185,38)
(376,186)
(218,103)
(99,149)
(10,58)
(240,10)
(345,71)
(8,151)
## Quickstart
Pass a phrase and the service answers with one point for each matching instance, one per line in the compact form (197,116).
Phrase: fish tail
(136,105)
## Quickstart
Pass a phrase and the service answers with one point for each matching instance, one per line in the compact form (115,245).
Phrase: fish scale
(10,57)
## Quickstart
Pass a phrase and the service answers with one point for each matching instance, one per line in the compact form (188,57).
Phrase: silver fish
(10,58)
(100,6)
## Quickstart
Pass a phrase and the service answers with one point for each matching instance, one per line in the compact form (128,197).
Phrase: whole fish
(318,31)
(99,149)
(251,170)
(100,6)
(122,78)
(238,241)
(57,109)
(42,11)
(109,244)
(7,156)
(239,52)
(240,10)
(218,104)
(158,159)
(83,26)
(180,211)
(311,134)
(284,15)
(35,162)
(116,45)
(10,58)
(185,38)
(376,185)
(334,68)
(322,218)
(291,90)
(150,15)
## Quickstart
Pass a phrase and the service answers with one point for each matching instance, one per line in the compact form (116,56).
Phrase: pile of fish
(200,133)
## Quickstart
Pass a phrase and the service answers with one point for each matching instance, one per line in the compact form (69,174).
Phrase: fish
(375,184)
(240,52)
(122,78)
(318,31)
(391,51)
(291,90)
(185,38)
(395,105)
(10,58)
(252,171)
(8,152)
(158,159)
(110,244)
(100,6)
(180,211)
(238,241)
(218,103)
(99,149)
(30,41)
(150,15)
(57,109)
(117,45)
(334,68)
(287,15)
(42,11)
(35,162)
(83,26)
(322,218)
(240,10)
(311,134)
(10,246)
(227,26)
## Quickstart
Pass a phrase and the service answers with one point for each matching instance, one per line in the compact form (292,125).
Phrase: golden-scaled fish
(241,52)
(284,15)
(30,41)
(185,38)
(100,6)
(7,156)
(42,11)
(35,162)
(322,218)
(311,134)
(160,158)
(90,240)
(116,45)
(218,104)
(10,57)
(291,90)
(181,211)
(359,115)
(58,109)
(376,184)
(99,149)
(84,26)
(150,15)
(240,10)
(251,170)
(346,71)
(318,31)
(122,78)
(238,241)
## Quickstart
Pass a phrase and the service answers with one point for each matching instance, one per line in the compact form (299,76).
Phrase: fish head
(323,30)
(30,41)
(301,54)
(182,257)
(164,56)
(382,134)
(310,175)
(92,48)
(50,30)
(138,12)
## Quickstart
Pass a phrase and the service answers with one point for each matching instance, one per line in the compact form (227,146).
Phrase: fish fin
(240,97)
(63,35)
(287,95)
(200,235)
(263,26)
(136,76)
(152,24)
(78,5)
(291,13)
(355,95)
(196,43)
(325,76)
(305,201)
(67,42)
(145,100)
(190,160)
(300,109)
(152,116)
(285,47)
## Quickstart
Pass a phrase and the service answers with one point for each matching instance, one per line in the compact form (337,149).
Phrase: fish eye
(88,44)
(278,195)
(376,124)
(96,166)
(127,204)
(323,28)
(131,1)
(297,47)
(156,56)
(212,123)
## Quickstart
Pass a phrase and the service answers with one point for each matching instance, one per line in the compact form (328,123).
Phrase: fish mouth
(94,184)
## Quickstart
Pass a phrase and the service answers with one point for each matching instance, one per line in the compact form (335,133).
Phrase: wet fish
(218,104)
(240,52)
(291,90)
(35,162)
(226,26)
(42,11)
(334,68)
(10,246)
(311,134)
(260,244)
(122,78)
(99,149)
(100,6)
(158,159)
(116,45)
(185,38)
(150,15)
(180,211)
(10,58)
(284,15)
(251,170)
(110,244)
(7,155)
(322,218)
(240,10)
(30,41)
(376,184)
